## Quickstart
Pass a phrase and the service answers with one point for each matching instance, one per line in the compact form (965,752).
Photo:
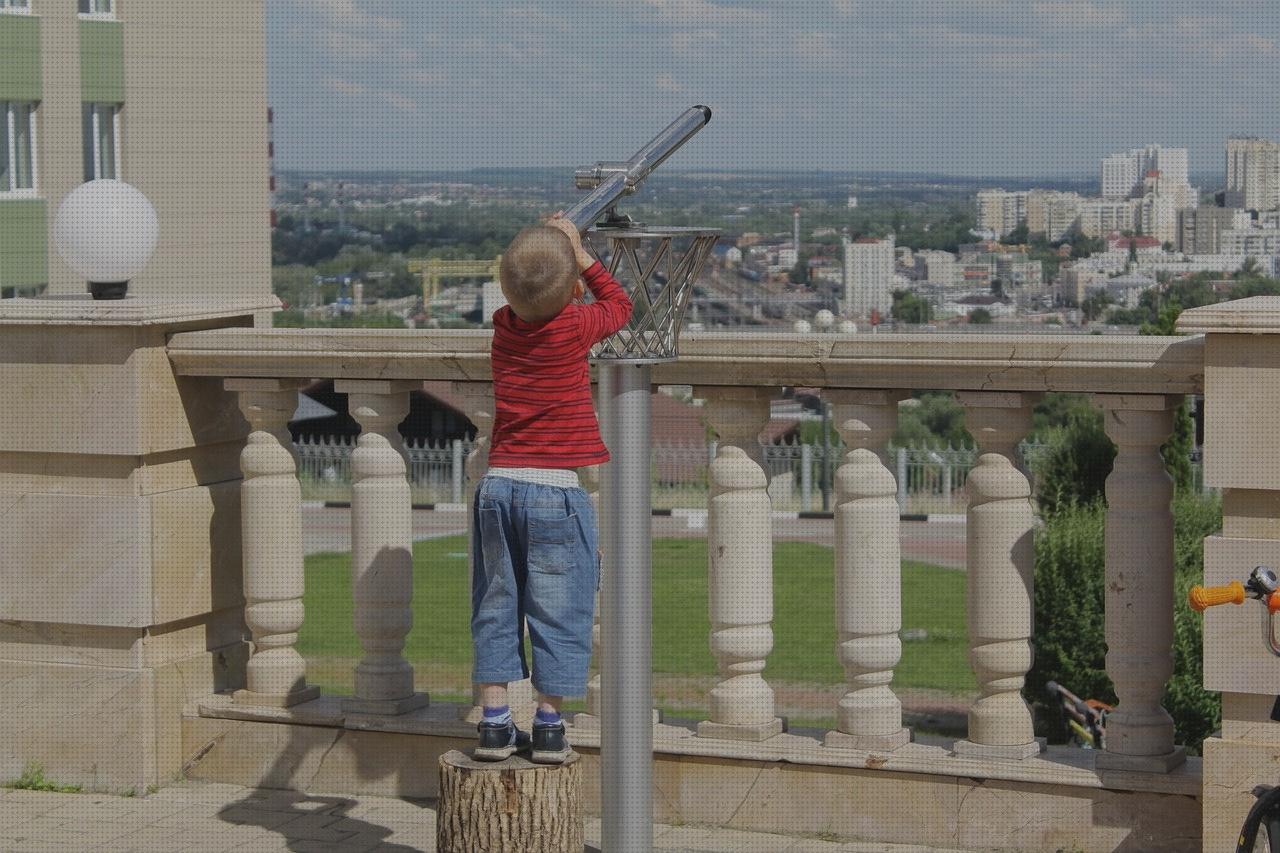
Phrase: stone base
(759,732)
(248,697)
(585,722)
(1009,752)
(386,706)
(868,743)
(1141,763)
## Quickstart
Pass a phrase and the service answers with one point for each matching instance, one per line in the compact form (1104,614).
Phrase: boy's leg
(496,629)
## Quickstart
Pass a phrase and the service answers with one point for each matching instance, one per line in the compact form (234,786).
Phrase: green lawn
(803,626)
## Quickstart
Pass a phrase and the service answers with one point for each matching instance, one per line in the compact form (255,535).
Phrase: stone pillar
(381,547)
(1001,562)
(477,399)
(120,543)
(271,533)
(868,566)
(1139,583)
(740,577)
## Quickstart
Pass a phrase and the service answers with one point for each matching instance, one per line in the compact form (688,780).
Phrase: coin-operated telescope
(657,266)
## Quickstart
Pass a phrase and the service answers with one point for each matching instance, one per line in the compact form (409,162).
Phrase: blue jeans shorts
(534,562)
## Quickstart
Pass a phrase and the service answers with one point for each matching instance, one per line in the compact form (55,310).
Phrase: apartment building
(1123,173)
(1254,242)
(1253,173)
(937,269)
(1200,228)
(89,89)
(1000,211)
(868,276)
(1098,216)
(1052,214)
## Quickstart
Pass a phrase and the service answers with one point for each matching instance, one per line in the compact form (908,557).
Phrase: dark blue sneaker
(499,741)
(549,744)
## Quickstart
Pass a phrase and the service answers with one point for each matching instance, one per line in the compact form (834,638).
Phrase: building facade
(1123,173)
(1253,173)
(1200,228)
(1254,242)
(1052,214)
(1098,216)
(1000,211)
(87,90)
(868,276)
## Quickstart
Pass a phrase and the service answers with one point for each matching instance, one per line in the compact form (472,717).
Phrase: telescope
(610,181)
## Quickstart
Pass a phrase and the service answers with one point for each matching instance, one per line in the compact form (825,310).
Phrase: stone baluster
(477,399)
(999,593)
(740,555)
(1139,583)
(868,573)
(271,534)
(381,547)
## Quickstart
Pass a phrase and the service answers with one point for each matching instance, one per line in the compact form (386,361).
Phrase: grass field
(439,645)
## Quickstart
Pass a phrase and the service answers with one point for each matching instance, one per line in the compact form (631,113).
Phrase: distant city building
(1000,211)
(1158,217)
(733,256)
(1123,173)
(868,276)
(1253,173)
(1200,228)
(852,201)
(1124,290)
(937,269)
(1052,214)
(1100,215)
(1254,242)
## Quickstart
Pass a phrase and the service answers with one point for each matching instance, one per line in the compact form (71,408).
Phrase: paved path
(201,817)
(941,543)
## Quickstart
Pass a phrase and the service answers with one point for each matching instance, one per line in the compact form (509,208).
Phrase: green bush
(1069,610)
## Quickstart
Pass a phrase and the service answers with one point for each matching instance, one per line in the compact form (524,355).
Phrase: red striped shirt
(543,412)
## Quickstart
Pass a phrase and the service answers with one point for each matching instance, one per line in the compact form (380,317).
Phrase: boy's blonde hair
(538,272)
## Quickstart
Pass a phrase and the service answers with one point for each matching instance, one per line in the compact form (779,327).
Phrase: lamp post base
(108,289)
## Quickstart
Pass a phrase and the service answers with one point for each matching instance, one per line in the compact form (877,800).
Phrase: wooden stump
(512,806)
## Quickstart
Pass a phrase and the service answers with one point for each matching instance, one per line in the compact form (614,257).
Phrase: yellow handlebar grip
(1202,597)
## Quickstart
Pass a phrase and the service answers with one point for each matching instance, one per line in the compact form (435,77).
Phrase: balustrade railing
(1136,381)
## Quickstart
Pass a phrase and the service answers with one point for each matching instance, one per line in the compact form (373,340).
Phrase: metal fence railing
(930,479)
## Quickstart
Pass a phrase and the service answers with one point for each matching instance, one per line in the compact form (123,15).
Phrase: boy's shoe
(499,741)
(549,744)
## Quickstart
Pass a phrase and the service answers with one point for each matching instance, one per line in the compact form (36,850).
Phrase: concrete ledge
(917,794)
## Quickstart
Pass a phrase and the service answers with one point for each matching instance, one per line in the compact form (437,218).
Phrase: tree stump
(512,806)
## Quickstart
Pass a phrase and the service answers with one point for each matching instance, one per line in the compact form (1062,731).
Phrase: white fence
(930,480)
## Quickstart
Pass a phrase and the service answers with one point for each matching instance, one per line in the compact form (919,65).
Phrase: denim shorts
(533,563)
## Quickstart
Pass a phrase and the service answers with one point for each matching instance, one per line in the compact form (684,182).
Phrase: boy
(534,551)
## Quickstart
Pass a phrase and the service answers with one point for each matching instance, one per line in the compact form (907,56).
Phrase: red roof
(1153,173)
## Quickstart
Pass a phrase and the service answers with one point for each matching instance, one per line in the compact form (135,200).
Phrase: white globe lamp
(106,231)
(824,320)
(848,327)
(802,327)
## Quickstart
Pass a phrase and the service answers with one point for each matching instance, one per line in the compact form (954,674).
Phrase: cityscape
(811,252)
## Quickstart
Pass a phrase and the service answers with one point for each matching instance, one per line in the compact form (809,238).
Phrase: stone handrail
(1080,363)
(1137,381)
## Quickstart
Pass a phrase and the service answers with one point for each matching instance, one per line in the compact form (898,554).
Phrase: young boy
(534,551)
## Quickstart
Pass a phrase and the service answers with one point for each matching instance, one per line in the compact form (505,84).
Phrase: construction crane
(433,270)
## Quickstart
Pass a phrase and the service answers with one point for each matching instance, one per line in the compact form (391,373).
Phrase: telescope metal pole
(626,720)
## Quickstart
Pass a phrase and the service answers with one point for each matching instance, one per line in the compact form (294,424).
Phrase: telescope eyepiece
(706,111)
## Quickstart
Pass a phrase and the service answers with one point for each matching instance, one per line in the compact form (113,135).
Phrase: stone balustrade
(1137,381)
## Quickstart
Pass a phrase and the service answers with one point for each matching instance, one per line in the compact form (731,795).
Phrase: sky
(960,87)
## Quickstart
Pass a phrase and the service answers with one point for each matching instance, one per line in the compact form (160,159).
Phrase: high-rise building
(1255,242)
(1098,216)
(1200,228)
(1123,173)
(868,276)
(1000,211)
(1052,214)
(143,93)
(938,269)
(1253,173)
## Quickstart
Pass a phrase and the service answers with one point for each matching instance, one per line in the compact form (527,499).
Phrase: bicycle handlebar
(1203,597)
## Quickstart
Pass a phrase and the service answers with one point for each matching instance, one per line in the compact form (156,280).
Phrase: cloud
(345,87)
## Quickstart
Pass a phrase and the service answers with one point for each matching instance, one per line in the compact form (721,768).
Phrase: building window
(101,141)
(96,8)
(17,147)
(20,7)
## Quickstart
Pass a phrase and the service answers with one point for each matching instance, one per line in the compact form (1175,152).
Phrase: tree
(1019,236)
(1133,250)
(909,308)
(979,316)
(997,287)
(799,274)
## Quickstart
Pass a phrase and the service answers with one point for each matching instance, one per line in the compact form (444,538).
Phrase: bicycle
(1261,830)
(1086,718)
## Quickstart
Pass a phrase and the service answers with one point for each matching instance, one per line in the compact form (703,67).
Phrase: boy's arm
(612,308)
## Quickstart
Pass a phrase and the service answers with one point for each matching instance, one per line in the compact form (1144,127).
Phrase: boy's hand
(584,258)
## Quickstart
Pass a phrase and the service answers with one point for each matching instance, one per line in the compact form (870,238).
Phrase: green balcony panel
(19,58)
(102,62)
(23,246)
